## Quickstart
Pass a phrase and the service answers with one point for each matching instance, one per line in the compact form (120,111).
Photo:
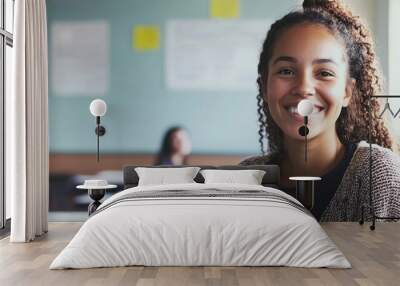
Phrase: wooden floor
(374,255)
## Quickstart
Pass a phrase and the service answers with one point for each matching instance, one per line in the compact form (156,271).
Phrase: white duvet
(200,231)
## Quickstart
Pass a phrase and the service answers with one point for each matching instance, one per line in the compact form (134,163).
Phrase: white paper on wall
(213,54)
(80,58)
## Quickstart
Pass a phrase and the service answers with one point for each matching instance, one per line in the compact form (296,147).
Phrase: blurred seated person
(175,147)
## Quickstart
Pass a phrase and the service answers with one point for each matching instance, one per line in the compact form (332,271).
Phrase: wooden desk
(374,255)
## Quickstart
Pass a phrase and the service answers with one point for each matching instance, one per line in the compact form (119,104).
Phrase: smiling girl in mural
(325,54)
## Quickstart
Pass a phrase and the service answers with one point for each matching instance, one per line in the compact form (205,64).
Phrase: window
(6,44)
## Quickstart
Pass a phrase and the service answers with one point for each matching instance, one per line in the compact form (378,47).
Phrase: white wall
(366,10)
(382,36)
(380,16)
(374,14)
(394,48)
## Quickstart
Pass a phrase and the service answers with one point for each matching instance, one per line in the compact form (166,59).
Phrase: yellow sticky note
(224,8)
(145,38)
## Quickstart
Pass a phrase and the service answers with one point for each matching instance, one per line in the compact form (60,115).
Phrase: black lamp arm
(100,131)
(303,131)
(305,138)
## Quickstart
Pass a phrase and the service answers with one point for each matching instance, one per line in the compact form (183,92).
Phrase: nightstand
(305,190)
(96,191)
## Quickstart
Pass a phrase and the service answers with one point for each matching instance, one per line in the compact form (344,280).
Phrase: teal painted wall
(140,107)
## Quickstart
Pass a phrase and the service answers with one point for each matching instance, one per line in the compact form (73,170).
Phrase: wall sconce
(98,108)
(305,186)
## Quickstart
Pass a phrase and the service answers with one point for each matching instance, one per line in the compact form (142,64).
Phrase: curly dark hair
(353,122)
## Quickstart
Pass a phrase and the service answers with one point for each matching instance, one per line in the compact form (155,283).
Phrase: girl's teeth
(293,109)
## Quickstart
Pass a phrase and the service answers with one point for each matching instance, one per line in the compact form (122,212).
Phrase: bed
(201,224)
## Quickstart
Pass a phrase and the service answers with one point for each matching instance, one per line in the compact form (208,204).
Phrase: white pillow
(163,176)
(248,177)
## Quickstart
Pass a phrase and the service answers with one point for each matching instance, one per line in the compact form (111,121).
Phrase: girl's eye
(286,72)
(326,74)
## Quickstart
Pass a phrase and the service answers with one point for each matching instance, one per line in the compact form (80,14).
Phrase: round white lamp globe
(98,107)
(305,107)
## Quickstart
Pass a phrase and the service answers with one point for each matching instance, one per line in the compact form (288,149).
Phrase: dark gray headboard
(270,179)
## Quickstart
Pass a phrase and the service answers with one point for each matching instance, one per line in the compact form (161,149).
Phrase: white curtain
(27,123)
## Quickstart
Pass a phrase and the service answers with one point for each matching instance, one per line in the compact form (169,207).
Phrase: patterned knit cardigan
(353,190)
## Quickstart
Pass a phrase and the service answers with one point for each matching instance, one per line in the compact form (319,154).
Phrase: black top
(326,188)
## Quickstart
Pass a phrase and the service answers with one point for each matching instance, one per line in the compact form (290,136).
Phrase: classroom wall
(140,107)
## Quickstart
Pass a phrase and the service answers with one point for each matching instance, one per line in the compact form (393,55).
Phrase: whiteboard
(80,58)
(213,54)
